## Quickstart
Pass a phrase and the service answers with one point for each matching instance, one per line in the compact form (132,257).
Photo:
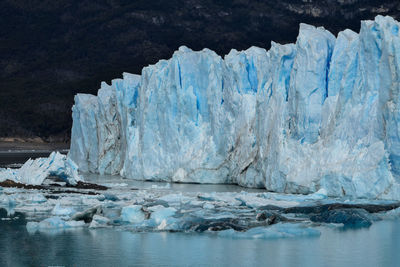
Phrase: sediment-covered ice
(322,113)
(35,171)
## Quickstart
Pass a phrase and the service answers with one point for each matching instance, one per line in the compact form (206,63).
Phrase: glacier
(320,115)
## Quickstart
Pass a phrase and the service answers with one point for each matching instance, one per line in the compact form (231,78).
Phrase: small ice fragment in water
(53,223)
(160,213)
(58,210)
(99,221)
(281,230)
(132,214)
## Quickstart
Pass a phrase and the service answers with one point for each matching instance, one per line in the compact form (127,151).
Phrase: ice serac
(320,114)
(34,172)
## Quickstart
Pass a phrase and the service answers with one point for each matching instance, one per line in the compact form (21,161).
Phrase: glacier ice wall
(319,114)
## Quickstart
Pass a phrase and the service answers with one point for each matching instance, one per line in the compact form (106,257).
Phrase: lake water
(377,246)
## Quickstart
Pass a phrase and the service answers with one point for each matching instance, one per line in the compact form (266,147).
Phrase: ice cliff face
(319,114)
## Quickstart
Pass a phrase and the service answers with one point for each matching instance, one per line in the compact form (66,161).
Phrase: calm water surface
(376,246)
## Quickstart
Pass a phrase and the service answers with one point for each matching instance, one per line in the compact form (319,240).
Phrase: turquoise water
(377,246)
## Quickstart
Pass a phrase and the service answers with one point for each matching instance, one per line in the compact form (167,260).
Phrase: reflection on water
(376,246)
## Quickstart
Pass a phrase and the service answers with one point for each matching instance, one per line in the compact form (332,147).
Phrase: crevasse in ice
(322,113)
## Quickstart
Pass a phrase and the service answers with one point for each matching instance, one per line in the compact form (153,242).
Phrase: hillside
(51,50)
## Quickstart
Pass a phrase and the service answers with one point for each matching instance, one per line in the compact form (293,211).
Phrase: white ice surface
(53,223)
(132,214)
(61,211)
(99,222)
(160,213)
(35,171)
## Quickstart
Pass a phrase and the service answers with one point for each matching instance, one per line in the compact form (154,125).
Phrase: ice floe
(253,215)
(132,214)
(53,223)
(289,230)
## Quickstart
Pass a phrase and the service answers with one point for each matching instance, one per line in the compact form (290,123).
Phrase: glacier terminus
(318,115)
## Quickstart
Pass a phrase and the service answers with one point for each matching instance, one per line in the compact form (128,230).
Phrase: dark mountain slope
(52,49)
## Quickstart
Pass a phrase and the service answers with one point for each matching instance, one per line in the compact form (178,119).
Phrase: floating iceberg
(320,114)
(52,223)
(132,214)
(276,231)
(58,210)
(34,172)
(160,213)
(99,222)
